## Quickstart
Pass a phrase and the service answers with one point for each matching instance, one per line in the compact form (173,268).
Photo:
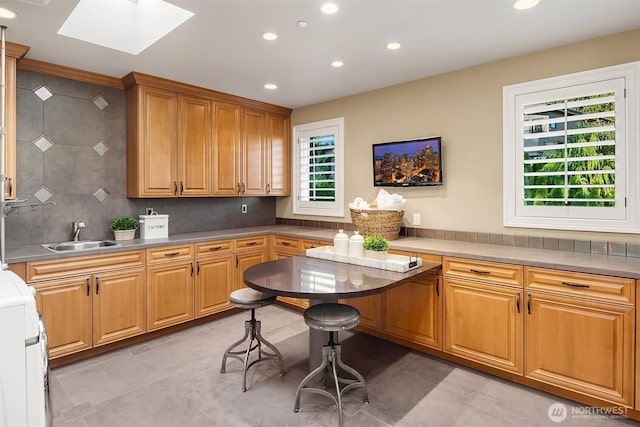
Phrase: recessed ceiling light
(524,4)
(393,45)
(7,13)
(302,24)
(269,36)
(271,86)
(329,8)
(337,64)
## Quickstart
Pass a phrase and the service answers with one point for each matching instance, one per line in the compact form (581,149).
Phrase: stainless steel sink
(79,246)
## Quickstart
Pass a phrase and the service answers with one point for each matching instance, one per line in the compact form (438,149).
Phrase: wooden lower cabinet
(484,323)
(370,308)
(66,308)
(413,311)
(245,260)
(92,310)
(580,345)
(118,305)
(637,345)
(279,253)
(214,283)
(169,294)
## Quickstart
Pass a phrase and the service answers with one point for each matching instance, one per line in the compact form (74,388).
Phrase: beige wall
(465,108)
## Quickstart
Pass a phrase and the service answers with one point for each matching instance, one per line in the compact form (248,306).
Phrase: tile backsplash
(584,246)
(71,165)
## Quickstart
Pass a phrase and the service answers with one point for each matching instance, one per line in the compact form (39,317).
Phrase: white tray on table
(392,262)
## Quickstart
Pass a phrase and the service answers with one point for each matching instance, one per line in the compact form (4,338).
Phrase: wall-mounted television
(410,163)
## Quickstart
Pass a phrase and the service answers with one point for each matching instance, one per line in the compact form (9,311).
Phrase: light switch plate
(416,219)
(244,208)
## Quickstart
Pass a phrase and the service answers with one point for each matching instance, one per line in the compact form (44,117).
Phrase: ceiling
(221,48)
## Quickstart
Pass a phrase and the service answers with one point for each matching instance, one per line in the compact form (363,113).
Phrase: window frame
(335,208)
(627,176)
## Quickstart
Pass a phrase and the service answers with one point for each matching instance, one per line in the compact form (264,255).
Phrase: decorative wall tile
(43,143)
(633,250)
(43,194)
(617,248)
(566,245)
(101,194)
(508,240)
(101,148)
(522,241)
(599,247)
(582,246)
(43,92)
(100,102)
(536,242)
(550,243)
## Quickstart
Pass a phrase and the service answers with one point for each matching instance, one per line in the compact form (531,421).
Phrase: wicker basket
(377,222)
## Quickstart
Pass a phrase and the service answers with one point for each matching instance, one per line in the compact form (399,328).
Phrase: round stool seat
(250,298)
(332,317)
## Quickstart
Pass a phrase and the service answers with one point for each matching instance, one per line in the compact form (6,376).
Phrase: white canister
(355,245)
(341,243)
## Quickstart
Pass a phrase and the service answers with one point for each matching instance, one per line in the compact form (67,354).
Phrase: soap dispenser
(341,243)
(356,247)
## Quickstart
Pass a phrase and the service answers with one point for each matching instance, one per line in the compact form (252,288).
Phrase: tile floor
(175,380)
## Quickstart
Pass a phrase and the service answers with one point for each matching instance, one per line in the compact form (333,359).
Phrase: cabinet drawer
(280,242)
(483,271)
(601,288)
(64,267)
(251,243)
(308,244)
(212,248)
(169,253)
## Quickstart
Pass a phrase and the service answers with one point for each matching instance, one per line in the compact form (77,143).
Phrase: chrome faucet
(77,226)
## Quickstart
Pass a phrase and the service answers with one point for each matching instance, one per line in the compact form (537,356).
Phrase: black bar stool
(332,317)
(251,299)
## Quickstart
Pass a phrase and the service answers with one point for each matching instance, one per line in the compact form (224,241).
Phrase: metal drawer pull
(285,243)
(172,253)
(88,288)
(251,243)
(97,285)
(518,302)
(575,285)
(479,271)
(529,304)
(215,248)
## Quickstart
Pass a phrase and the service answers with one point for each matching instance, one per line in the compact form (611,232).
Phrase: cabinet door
(281,254)
(152,142)
(226,149)
(118,306)
(254,153)
(582,346)
(245,260)
(214,282)
(370,308)
(65,306)
(10,127)
(195,146)
(484,323)
(413,311)
(279,159)
(169,294)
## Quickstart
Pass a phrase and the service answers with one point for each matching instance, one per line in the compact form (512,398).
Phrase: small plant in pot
(375,247)
(124,228)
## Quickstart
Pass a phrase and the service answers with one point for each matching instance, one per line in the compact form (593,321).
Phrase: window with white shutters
(571,152)
(318,170)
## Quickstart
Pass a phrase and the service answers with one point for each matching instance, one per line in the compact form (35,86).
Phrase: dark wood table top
(313,278)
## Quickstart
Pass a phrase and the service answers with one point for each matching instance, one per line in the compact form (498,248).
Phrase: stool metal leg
(252,330)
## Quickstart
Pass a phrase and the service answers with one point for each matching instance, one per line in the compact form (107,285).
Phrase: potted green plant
(124,228)
(375,247)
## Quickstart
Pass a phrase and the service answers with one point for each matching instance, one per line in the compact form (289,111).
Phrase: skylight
(129,26)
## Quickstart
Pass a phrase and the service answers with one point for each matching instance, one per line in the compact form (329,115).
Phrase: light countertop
(571,261)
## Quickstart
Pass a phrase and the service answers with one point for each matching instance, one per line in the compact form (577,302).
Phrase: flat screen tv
(410,163)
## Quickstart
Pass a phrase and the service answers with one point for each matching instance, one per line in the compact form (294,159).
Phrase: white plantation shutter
(318,166)
(570,152)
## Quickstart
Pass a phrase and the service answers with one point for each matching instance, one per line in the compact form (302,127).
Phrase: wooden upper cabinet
(184,141)
(13,53)
(194,146)
(253,155)
(226,149)
(279,155)
(152,142)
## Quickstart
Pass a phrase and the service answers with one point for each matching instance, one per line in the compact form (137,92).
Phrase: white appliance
(24,365)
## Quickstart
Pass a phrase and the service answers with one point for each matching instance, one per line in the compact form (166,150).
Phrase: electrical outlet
(244,208)
(148,211)
(416,219)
